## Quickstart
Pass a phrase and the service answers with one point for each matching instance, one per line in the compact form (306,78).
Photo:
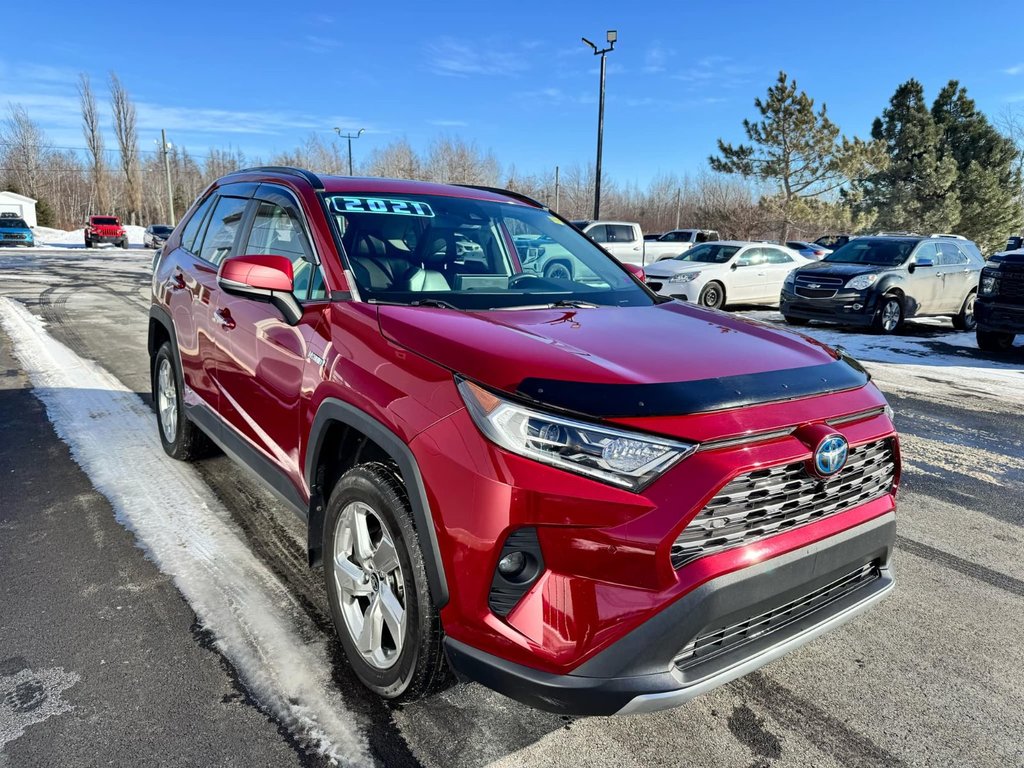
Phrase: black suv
(1000,306)
(880,281)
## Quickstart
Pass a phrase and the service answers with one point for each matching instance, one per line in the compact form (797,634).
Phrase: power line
(105,151)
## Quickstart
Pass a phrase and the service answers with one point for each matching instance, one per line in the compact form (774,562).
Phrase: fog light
(512,564)
(858,307)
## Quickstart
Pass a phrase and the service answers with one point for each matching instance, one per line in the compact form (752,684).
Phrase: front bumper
(639,672)
(105,238)
(7,242)
(994,316)
(847,306)
(688,291)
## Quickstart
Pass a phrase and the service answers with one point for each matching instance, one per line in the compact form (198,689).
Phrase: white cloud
(656,58)
(449,123)
(454,59)
(1016,69)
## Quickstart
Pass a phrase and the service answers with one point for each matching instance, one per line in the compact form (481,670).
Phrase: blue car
(14,231)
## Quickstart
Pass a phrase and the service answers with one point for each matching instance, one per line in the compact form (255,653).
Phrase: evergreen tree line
(945,168)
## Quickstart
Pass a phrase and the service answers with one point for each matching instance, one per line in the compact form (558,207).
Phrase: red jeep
(581,494)
(105,229)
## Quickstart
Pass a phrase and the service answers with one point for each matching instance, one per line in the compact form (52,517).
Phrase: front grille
(716,642)
(767,501)
(1011,287)
(813,287)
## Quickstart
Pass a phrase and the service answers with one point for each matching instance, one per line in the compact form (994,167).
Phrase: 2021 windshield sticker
(340,204)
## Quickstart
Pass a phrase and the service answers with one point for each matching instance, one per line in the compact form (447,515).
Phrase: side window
(598,234)
(775,256)
(278,231)
(749,257)
(192,228)
(620,233)
(950,254)
(702,237)
(221,231)
(927,251)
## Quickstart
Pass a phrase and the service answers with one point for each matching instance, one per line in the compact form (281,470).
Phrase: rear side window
(221,231)
(188,234)
(598,234)
(950,254)
(619,233)
(775,256)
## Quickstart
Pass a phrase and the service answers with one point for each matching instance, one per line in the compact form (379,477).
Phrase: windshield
(473,254)
(104,220)
(161,229)
(878,251)
(709,253)
(9,222)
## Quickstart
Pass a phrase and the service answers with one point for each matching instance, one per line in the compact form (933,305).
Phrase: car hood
(671,267)
(839,269)
(547,354)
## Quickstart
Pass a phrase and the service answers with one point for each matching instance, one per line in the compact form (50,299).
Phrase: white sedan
(725,272)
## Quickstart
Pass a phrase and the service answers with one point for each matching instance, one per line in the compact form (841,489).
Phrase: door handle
(178,281)
(223,317)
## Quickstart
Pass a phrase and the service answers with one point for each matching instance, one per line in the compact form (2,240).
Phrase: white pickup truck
(625,240)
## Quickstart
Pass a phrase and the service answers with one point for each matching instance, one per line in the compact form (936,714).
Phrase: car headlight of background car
(790,278)
(626,459)
(862,282)
(684,277)
(988,284)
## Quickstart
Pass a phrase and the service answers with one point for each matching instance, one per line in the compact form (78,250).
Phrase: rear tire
(790,320)
(374,572)
(965,321)
(181,438)
(994,341)
(889,315)
(712,296)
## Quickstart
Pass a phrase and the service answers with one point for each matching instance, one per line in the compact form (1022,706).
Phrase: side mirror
(637,272)
(737,265)
(262,277)
(924,263)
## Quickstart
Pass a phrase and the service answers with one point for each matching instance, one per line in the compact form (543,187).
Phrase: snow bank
(50,238)
(279,654)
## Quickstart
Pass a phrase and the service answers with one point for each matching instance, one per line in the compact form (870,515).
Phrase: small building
(24,207)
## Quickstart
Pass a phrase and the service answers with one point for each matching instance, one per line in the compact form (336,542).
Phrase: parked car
(725,272)
(833,242)
(999,309)
(626,241)
(105,229)
(880,281)
(14,231)
(808,250)
(156,235)
(550,486)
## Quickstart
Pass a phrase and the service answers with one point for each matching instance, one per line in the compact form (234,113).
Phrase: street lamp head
(589,43)
(613,35)
(337,130)
(360,132)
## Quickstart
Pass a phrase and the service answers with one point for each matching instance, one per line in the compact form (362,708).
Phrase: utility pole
(612,36)
(349,136)
(167,171)
(556,189)
(679,199)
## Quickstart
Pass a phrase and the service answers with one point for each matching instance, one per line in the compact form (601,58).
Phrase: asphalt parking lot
(116,647)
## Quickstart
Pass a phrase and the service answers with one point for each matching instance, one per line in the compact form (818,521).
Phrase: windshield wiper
(575,303)
(418,303)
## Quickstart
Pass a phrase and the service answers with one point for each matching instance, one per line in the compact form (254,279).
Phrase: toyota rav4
(588,497)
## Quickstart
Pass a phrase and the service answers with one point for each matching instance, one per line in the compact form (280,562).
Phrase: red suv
(581,494)
(105,229)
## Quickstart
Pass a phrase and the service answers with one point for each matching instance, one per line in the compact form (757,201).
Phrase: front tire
(712,296)
(88,243)
(377,586)
(180,438)
(790,320)
(124,243)
(965,320)
(558,270)
(994,341)
(889,317)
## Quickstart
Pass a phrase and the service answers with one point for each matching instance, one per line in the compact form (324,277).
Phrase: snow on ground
(927,357)
(281,657)
(58,238)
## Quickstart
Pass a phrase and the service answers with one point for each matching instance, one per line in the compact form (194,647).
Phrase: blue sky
(514,77)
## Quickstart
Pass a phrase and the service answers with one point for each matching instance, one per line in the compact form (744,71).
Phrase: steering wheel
(524,277)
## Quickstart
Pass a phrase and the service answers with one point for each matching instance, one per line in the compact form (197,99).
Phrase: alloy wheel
(167,400)
(370,586)
(558,272)
(890,315)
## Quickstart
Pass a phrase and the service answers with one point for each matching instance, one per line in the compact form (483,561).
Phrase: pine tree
(796,148)
(918,190)
(989,177)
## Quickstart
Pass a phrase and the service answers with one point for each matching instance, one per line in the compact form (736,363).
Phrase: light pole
(349,136)
(164,146)
(612,36)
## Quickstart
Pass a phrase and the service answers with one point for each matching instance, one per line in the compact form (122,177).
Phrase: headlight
(988,285)
(626,459)
(860,282)
(790,278)
(683,277)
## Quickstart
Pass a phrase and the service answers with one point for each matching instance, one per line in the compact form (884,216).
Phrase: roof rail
(302,173)
(898,234)
(944,234)
(506,192)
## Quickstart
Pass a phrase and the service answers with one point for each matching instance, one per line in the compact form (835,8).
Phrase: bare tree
(126,129)
(94,142)
(397,160)
(453,160)
(1011,123)
(21,150)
